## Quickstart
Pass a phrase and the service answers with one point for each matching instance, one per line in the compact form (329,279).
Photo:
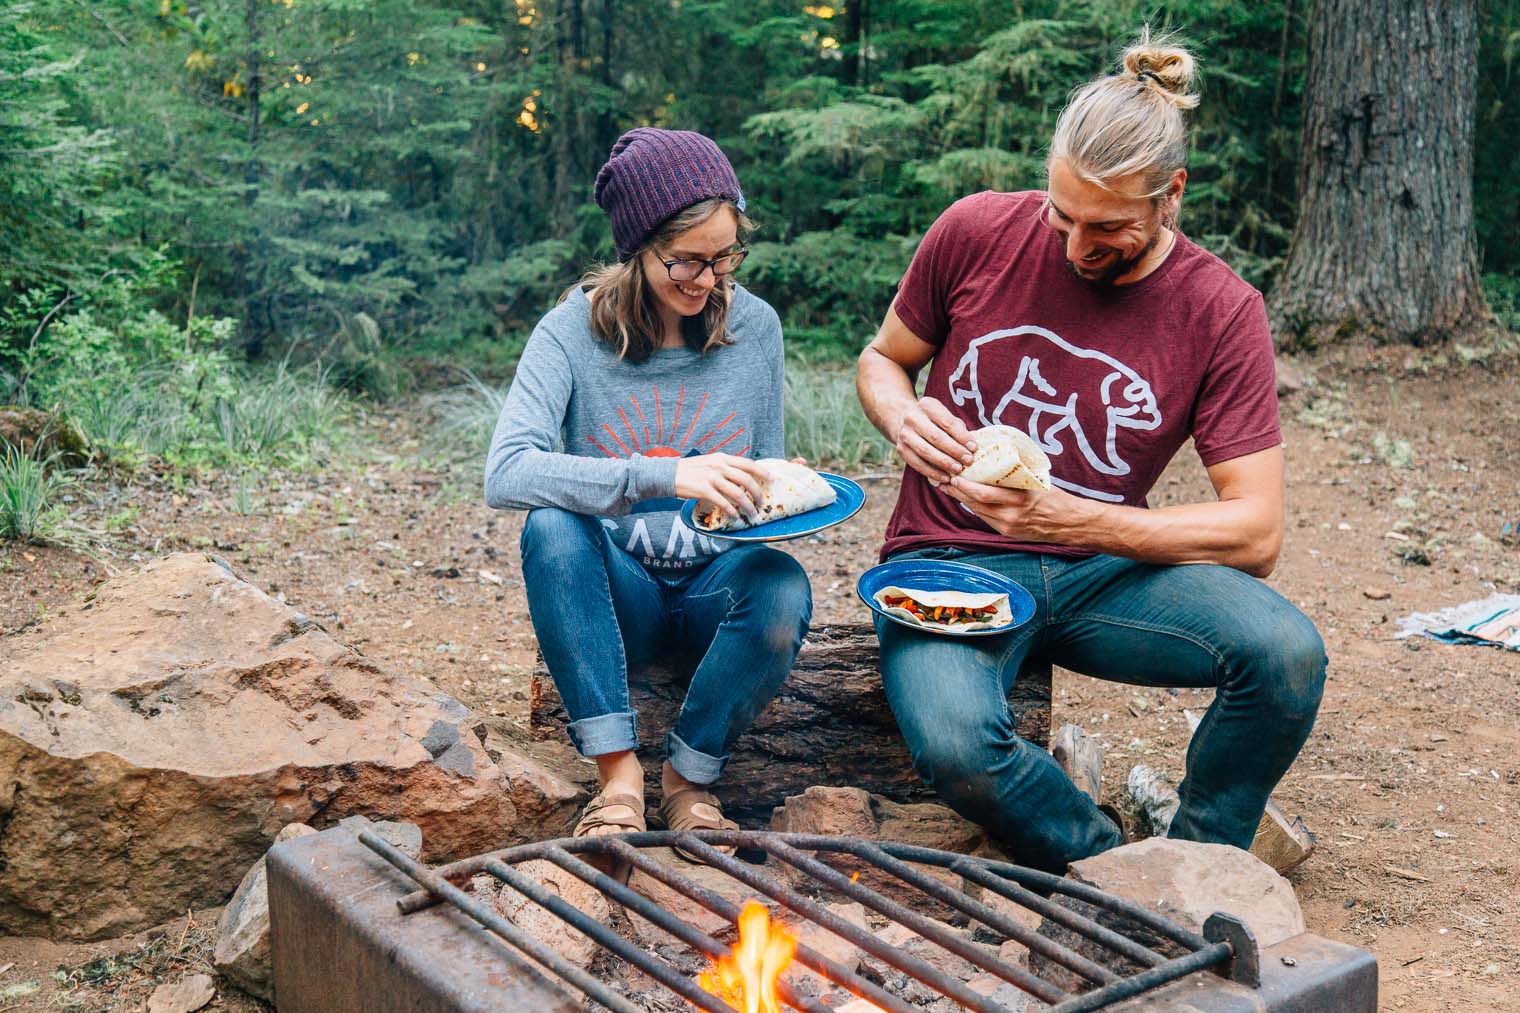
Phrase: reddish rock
(547,927)
(854,812)
(187,995)
(1181,880)
(155,737)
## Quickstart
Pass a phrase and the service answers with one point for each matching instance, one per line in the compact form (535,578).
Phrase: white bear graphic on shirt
(1091,402)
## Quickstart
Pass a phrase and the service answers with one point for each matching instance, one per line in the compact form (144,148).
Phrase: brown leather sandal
(623,811)
(695,808)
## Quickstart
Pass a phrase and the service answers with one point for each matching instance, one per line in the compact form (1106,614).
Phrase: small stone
(1009,997)
(830,946)
(931,953)
(1291,377)
(546,926)
(680,905)
(405,837)
(1376,593)
(854,812)
(189,993)
(242,951)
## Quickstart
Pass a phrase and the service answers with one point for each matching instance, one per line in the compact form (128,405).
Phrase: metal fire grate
(1226,947)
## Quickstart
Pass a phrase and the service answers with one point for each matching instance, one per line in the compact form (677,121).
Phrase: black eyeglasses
(691,270)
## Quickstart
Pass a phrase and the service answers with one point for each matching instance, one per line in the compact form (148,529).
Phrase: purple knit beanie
(653,173)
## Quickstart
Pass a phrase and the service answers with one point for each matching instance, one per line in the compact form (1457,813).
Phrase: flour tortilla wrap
(1007,457)
(957,599)
(793,489)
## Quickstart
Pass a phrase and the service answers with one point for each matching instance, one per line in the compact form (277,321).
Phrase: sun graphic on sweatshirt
(635,436)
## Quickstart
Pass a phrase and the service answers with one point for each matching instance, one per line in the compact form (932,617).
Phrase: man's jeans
(1196,626)
(596,610)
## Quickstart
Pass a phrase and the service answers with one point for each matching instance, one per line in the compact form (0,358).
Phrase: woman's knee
(550,531)
(778,588)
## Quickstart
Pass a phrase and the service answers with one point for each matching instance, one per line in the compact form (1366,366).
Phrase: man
(1082,316)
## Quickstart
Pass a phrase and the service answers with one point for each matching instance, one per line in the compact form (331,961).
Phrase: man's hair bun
(1170,67)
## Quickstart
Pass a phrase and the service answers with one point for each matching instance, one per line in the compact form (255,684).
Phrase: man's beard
(1118,269)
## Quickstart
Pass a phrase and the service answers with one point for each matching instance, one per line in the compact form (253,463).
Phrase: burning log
(829,725)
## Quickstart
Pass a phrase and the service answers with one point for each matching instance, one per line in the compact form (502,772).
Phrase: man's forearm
(886,391)
(1240,533)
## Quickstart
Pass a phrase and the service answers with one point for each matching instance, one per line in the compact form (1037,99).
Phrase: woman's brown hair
(623,312)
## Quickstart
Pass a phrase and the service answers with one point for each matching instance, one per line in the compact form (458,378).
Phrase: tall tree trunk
(1384,243)
(253,333)
(567,117)
(854,20)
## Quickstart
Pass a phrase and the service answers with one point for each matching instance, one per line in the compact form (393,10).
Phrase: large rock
(26,428)
(1181,880)
(155,737)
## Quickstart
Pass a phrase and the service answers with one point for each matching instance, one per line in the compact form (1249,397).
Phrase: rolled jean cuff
(605,733)
(698,768)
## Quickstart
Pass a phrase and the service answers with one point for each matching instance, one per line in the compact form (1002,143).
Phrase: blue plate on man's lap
(848,499)
(945,575)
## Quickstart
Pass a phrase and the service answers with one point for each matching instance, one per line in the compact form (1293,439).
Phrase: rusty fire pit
(347,934)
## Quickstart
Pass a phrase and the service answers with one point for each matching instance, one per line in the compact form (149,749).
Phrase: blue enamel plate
(848,499)
(944,575)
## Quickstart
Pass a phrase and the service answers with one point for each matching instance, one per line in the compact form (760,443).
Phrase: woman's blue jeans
(1199,626)
(596,610)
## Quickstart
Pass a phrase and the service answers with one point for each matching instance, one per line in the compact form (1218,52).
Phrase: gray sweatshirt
(585,432)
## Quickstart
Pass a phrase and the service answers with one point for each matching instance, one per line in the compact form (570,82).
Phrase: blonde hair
(623,311)
(1131,122)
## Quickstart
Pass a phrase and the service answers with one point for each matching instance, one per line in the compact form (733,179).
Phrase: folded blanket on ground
(1494,621)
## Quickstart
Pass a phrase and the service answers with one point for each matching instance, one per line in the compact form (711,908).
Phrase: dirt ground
(1402,476)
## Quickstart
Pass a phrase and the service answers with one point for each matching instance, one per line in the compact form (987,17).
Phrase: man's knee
(1290,655)
(957,769)
(1303,669)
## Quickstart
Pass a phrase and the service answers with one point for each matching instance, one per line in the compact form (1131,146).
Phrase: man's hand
(934,442)
(735,484)
(1034,515)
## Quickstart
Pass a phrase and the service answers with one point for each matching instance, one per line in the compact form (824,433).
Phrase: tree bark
(830,724)
(1384,244)
(253,334)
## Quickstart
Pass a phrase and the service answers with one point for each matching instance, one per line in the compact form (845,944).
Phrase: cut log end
(1282,843)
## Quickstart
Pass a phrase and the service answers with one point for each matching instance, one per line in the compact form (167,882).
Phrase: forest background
(222,222)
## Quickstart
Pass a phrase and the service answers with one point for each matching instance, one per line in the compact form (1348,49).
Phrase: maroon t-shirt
(1110,382)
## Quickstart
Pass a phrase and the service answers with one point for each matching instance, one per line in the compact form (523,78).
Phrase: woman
(654,380)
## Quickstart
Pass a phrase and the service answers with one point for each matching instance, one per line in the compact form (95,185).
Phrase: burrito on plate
(793,489)
(1008,457)
(957,610)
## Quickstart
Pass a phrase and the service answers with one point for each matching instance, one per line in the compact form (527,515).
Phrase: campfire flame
(747,978)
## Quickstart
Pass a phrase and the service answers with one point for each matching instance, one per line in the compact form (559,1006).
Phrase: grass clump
(31,490)
(465,417)
(824,420)
(28,491)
